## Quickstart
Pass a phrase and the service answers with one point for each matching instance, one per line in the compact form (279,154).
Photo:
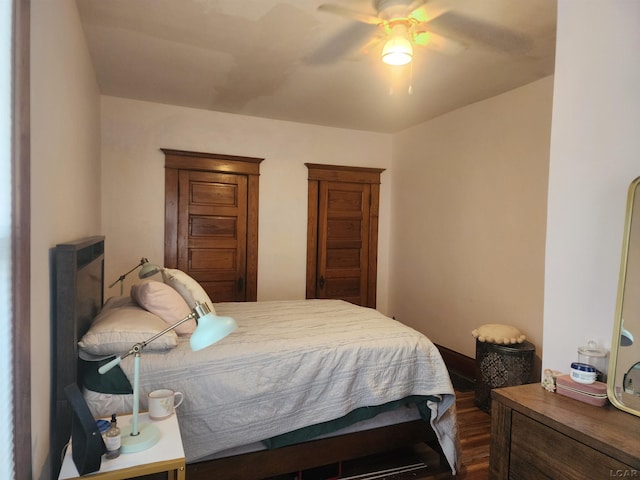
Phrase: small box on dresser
(592,393)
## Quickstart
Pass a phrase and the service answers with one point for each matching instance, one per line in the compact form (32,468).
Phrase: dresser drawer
(538,451)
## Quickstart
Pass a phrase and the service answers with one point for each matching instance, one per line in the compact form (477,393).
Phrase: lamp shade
(148,269)
(211,329)
(398,49)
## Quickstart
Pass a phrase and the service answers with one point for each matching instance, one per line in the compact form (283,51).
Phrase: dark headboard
(77,298)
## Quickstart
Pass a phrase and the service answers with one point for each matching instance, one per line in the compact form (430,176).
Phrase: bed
(299,384)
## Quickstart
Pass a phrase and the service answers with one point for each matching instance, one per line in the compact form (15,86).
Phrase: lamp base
(148,436)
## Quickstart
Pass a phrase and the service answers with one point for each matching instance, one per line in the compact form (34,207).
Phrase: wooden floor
(475,431)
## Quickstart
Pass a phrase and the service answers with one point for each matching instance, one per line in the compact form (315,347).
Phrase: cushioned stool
(503,359)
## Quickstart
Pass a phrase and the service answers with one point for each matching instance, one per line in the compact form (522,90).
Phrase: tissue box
(593,393)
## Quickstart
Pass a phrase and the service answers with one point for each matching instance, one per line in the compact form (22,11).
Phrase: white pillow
(165,302)
(498,333)
(186,286)
(120,325)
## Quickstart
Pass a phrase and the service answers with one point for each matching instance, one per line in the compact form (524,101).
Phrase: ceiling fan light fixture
(398,49)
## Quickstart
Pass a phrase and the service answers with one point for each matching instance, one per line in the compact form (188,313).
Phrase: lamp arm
(108,366)
(137,348)
(166,330)
(122,277)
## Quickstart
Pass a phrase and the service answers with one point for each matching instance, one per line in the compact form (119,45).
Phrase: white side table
(165,456)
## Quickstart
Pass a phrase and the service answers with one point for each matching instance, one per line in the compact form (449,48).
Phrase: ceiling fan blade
(475,30)
(372,44)
(346,43)
(426,11)
(347,12)
(415,4)
(439,43)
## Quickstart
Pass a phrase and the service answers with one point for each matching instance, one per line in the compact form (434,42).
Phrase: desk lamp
(210,330)
(148,269)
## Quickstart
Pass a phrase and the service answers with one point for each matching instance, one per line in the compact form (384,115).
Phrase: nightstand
(165,456)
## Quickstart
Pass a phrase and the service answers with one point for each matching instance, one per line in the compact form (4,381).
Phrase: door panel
(348,289)
(207,225)
(344,258)
(212,232)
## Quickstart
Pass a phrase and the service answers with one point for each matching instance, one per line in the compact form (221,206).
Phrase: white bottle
(112,439)
(630,389)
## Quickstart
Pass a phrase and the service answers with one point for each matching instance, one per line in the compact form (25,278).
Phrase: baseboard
(458,362)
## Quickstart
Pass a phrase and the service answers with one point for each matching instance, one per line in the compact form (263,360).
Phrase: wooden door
(342,233)
(212,232)
(343,241)
(211,221)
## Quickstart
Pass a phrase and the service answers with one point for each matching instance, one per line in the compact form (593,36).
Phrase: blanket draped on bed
(292,364)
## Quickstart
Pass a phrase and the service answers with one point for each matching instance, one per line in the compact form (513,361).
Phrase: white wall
(595,154)
(65,178)
(468,218)
(133,183)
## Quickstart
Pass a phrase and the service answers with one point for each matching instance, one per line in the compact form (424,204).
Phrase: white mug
(163,402)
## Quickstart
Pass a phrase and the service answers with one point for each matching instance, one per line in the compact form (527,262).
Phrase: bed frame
(77,296)
(79,265)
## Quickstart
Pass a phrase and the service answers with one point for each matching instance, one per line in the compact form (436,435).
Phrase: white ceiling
(279,58)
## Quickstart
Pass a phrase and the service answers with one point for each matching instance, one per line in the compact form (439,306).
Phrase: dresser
(538,434)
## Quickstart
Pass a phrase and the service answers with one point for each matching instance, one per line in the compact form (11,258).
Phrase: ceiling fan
(403,24)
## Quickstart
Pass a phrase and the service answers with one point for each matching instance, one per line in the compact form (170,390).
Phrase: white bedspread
(292,364)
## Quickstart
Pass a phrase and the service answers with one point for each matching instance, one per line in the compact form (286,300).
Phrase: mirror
(623,385)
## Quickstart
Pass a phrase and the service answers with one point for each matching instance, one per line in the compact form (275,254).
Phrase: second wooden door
(343,241)
(342,238)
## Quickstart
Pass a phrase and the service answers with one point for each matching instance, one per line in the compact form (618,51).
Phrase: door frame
(176,160)
(347,174)
(21,240)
